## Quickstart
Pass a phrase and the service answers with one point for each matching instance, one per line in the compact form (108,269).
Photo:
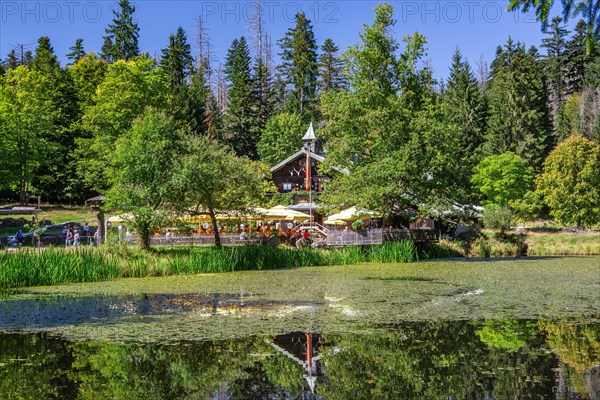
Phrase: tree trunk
(101,222)
(145,240)
(215,227)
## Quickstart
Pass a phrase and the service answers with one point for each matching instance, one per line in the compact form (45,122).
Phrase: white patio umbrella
(120,218)
(352,214)
(334,222)
(284,213)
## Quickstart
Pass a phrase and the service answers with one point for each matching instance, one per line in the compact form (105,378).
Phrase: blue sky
(475,27)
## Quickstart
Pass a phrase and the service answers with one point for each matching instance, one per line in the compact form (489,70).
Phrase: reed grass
(394,252)
(539,244)
(53,266)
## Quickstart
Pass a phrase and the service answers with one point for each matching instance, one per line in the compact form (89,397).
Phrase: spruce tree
(124,33)
(107,49)
(299,68)
(196,110)
(177,62)
(465,108)
(27,58)
(45,59)
(331,68)
(177,59)
(590,102)
(11,60)
(241,123)
(576,58)
(77,51)
(555,67)
(264,92)
(518,117)
(214,118)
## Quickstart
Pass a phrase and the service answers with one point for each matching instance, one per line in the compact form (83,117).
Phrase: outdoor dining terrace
(333,238)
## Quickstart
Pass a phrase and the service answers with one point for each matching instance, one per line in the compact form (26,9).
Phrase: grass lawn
(585,243)
(54,214)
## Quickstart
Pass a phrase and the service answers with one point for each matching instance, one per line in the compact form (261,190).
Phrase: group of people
(73,235)
(254,231)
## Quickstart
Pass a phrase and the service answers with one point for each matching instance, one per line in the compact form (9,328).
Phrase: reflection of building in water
(302,348)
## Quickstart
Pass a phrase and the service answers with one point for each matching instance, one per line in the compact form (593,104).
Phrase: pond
(504,329)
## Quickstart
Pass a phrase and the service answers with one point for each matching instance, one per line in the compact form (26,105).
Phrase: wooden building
(291,174)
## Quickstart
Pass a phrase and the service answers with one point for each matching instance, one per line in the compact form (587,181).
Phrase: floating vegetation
(278,300)
(401,278)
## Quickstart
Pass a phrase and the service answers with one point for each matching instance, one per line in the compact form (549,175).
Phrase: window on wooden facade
(287,187)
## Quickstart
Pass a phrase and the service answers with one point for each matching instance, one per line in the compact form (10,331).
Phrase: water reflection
(49,312)
(492,359)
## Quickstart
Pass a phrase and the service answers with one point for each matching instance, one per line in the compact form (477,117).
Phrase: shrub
(498,217)
(442,249)
(482,248)
(357,225)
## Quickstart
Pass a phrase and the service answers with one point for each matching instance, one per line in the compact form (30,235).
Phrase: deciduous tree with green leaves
(281,138)
(141,171)
(570,182)
(87,75)
(211,179)
(26,125)
(503,178)
(127,89)
(387,132)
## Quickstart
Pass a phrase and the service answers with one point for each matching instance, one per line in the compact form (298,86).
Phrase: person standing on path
(69,237)
(19,236)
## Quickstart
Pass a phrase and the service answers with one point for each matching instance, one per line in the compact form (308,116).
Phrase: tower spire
(310,134)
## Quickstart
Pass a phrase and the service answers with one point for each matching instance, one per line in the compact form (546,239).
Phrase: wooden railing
(334,238)
(199,240)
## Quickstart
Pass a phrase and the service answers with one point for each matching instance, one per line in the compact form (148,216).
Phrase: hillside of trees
(406,139)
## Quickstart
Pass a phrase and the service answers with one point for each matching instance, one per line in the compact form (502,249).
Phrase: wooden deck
(334,238)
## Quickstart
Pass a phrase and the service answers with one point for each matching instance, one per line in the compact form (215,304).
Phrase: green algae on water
(331,299)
